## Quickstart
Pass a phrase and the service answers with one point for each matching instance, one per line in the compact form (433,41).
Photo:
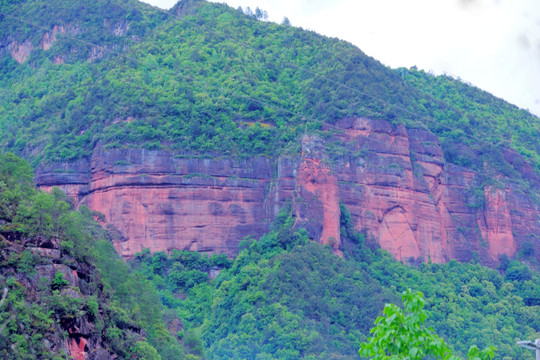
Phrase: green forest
(36,308)
(216,81)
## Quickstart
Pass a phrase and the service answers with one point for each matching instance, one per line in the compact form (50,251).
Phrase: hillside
(154,80)
(284,296)
(469,110)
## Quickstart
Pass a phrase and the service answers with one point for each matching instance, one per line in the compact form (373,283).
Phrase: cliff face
(402,192)
(163,203)
(394,181)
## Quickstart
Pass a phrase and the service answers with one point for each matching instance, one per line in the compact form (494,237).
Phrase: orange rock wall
(394,181)
(394,200)
(495,223)
(162,203)
(318,186)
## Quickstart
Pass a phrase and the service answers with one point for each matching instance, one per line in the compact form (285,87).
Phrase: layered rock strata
(394,181)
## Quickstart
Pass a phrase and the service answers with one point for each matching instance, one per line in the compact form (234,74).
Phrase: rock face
(317,203)
(20,51)
(163,203)
(75,336)
(394,181)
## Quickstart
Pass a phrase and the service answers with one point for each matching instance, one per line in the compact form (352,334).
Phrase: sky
(491,44)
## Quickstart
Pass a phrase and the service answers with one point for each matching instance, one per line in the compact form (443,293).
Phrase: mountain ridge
(212,132)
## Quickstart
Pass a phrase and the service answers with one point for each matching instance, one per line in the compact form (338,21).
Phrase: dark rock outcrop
(74,334)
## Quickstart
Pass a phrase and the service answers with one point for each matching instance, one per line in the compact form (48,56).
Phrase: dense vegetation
(303,302)
(289,298)
(38,308)
(463,113)
(216,81)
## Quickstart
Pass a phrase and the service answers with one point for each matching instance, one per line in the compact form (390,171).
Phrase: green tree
(37,217)
(16,183)
(143,350)
(401,335)
(59,281)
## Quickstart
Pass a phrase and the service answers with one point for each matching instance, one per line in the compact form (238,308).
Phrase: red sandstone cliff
(394,181)
(318,190)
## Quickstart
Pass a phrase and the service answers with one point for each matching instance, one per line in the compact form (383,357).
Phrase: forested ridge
(206,80)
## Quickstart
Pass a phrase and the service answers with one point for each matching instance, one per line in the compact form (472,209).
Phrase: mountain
(66,292)
(191,129)
(228,161)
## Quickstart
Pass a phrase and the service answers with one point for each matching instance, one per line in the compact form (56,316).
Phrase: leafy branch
(401,335)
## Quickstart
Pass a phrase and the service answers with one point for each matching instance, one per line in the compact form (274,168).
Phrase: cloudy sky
(492,44)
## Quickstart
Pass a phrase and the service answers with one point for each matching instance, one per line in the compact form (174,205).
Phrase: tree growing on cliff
(401,335)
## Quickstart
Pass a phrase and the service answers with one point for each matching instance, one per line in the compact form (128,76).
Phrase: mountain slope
(206,129)
(476,111)
(211,62)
